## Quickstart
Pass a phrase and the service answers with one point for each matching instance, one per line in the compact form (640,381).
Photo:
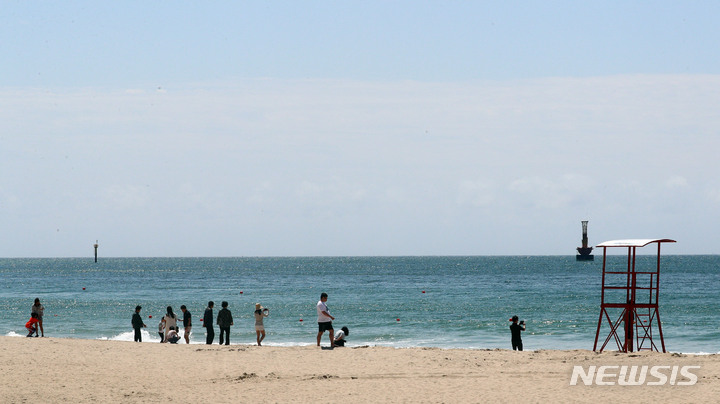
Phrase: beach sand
(54,370)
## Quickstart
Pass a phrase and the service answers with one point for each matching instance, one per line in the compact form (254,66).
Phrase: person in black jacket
(208,323)
(515,330)
(187,322)
(224,321)
(137,324)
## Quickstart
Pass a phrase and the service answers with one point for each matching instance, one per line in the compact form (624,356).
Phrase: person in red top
(32,325)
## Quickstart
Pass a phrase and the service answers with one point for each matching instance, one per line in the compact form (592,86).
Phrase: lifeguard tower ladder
(629,300)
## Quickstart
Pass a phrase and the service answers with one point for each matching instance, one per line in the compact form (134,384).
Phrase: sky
(325,128)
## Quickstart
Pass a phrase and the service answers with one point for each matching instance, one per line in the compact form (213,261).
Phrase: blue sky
(356,128)
(144,43)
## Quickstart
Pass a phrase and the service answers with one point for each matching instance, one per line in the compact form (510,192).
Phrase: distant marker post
(96,247)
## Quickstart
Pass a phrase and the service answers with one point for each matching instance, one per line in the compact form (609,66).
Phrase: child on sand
(161,330)
(172,336)
(340,336)
(32,325)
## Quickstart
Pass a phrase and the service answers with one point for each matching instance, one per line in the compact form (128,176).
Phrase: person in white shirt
(340,336)
(170,321)
(325,320)
(172,336)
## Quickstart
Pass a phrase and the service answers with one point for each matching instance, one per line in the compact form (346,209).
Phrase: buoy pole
(96,247)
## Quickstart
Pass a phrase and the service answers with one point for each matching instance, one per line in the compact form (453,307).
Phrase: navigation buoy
(83,288)
(241,292)
(201,319)
(301,320)
(397,319)
(149,316)
(423,291)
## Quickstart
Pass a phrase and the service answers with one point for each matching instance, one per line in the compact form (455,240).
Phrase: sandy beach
(53,370)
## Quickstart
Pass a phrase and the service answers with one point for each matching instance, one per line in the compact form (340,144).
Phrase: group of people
(168,326)
(224,321)
(168,329)
(325,324)
(36,319)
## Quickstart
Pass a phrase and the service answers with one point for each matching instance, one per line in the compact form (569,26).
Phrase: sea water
(445,302)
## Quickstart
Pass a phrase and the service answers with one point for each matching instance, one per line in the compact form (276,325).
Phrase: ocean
(445,302)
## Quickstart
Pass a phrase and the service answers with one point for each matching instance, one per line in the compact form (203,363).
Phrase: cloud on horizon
(490,167)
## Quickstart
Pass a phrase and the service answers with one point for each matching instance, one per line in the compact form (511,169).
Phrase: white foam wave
(699,353)
(153,337)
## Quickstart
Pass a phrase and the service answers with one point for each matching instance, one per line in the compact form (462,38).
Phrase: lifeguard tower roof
(639,242)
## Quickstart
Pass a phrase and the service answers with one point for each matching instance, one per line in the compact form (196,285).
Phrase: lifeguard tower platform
(629,300)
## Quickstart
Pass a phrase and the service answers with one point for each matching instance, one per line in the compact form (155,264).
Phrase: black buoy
(584,252)
(96,247)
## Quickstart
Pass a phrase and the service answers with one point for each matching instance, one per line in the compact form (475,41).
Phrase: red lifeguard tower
(629,300)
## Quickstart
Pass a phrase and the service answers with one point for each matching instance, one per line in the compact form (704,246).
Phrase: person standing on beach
(39,309)
(170,321)
(324,320)
(259,326)
(187,322)
(161,330)
(208,323)
(137,324)
(224,321)
(515,330)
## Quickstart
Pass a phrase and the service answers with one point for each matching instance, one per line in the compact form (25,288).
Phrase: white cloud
(676,181)
(125,197)
(476,193)
(381,155)
(9,201)
(714,195)
(548,193)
